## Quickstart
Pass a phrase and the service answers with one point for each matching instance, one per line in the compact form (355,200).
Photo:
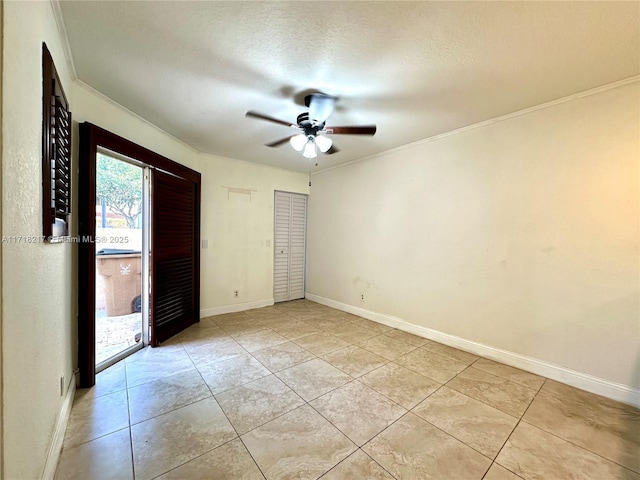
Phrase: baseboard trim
(583,381)
(55,449)
(238,307)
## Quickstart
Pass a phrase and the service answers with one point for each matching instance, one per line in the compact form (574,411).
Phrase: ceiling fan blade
(320,107)
(261,116)
(332,150)
(355,130)
(277,143)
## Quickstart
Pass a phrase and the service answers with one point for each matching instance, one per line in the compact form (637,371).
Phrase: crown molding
(484,123)
(62,31)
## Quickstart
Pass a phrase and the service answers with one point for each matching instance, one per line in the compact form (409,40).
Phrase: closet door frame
(290,243)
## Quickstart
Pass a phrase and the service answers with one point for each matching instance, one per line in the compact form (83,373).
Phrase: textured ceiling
(415,69)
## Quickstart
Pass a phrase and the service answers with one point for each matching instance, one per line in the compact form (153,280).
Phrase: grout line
(374,461)
(579,446)
(126,383)
(352,379)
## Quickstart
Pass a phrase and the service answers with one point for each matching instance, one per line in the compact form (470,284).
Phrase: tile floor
(303,391)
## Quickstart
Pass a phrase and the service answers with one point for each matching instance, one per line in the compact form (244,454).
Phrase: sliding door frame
(92,138)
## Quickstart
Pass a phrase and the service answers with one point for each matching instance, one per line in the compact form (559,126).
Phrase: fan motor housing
(308,127)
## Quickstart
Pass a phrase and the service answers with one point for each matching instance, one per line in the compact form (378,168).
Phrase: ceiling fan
(312,127)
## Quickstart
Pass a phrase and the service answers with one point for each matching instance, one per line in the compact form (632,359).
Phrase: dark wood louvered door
(175,257)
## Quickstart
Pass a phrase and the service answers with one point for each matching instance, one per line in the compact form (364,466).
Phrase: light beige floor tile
(221,349)
(255,403)
(227,374)
(600,425)
(263,312)
(295,329)
(167,441)
(407,337)
(230,461)
(525,379)
(105,458)
(157,354)
(197,338)
(497,472)
(282,356)
(304,314)
(326,322)
(354,360)
(562,391)
(532,454)
(298,445)
(451,352)
(511,398)
(237,329)
(474,423)
(358,412)
(313,378)
(353,333)
(357,466)
(232,318)
(347,317)
(155,365)
(411,448)
(405,387)
(371,325)
(439,368)
(203,330)
(386,347)
(201,339)
(91,417)
(280,320)
(111,380)
(259,340)
(166,394)
(321,343)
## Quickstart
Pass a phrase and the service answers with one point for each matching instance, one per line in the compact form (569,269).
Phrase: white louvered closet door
(290,232)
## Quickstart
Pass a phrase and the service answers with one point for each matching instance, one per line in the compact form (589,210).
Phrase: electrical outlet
(236,294)
(62,386)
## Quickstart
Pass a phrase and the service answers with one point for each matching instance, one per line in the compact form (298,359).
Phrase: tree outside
(119,185)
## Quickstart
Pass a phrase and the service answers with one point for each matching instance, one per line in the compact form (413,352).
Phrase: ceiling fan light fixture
(323,143)
(298,142)
(310,150)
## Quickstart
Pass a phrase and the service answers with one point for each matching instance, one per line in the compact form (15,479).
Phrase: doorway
(170,293)
(121,260)
(290,229)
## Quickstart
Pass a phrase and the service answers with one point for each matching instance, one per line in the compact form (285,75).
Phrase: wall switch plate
(205,243)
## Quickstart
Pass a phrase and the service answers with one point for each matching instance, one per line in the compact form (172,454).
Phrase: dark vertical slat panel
(86,257)
(175,255)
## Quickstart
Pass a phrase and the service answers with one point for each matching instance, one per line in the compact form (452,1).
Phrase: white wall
(39,286)
(520,235)
(1,131)
(37,306)
(239,229)
(236,225)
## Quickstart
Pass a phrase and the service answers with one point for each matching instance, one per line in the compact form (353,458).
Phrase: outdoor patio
(115,334)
